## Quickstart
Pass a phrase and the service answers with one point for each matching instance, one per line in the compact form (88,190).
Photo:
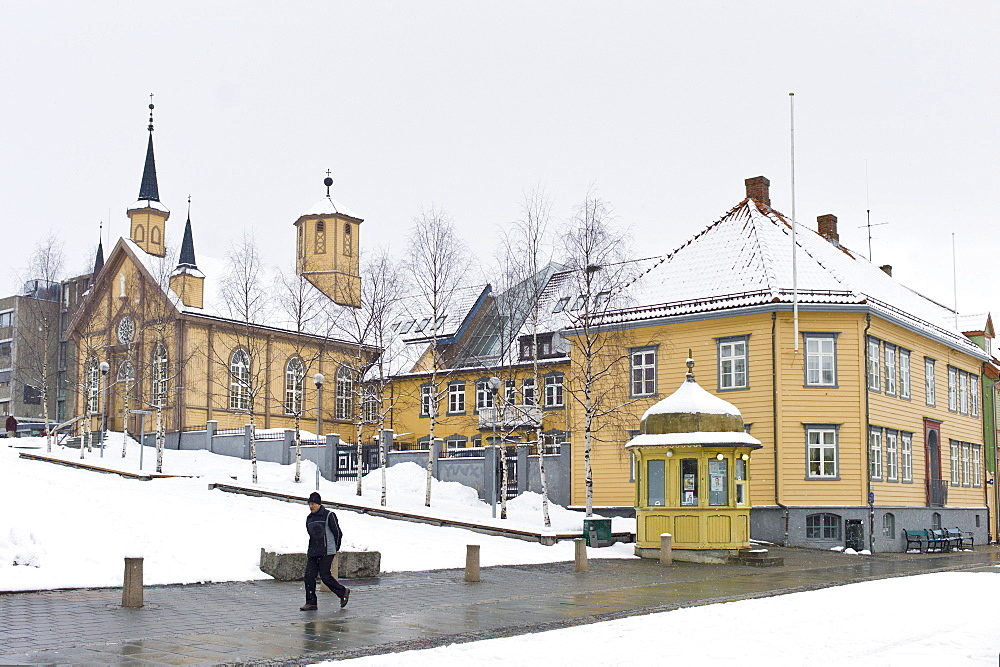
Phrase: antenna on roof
(795,275)
(869,225)
(954,277)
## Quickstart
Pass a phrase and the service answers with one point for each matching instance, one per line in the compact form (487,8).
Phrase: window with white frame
(295,372)
(821,450)
(370,406)
(821,360)
(906,456)
(426,399)
(6,318)
(528,391)
(952,388)
(874,364)
(891,456)
(977,465)
(956,466)
(963,392)
(239,380)
(732,354)
(966,464)
(158,375)
(974,395)
(643,361)
(456,398)
(875,453)
(93,384)
(890,369)
(484,397)
(904,373)
(344,402)
(929,394)
(510,391)
(554,390)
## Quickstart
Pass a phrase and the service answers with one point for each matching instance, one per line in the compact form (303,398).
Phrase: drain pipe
(866,436)
(774,420)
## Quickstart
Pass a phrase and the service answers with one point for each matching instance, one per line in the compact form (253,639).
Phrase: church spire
(148,189)
(99,260)
(187,245)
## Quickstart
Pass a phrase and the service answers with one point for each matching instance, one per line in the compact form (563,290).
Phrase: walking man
(324,542)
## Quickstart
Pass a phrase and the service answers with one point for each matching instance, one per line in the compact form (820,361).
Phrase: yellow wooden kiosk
(692,456)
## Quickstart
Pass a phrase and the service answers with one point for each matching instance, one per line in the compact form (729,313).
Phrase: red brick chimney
(827,228)
(758,189)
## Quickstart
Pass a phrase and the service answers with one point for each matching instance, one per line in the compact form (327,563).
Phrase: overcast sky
(662,107)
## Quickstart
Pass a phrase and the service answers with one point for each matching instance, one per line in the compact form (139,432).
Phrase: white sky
(663,107)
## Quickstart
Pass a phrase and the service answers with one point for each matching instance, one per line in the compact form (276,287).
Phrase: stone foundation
(347,564)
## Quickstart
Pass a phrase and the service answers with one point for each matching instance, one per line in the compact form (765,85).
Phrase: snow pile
(68,528)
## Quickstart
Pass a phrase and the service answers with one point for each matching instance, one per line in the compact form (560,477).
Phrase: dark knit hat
(314,498)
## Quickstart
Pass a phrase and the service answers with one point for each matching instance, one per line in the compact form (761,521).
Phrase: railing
(510,416)
(937,492)
(231,431)
(203,427)
(466,452)
(272,435)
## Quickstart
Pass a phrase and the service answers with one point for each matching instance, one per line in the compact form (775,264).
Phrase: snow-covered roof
(694,438)
(691,398)
(149,203)
(975,322)
(329,206)
(745,259)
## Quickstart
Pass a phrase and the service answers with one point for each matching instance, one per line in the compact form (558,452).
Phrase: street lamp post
(318,380)
(494,386)
(105,367)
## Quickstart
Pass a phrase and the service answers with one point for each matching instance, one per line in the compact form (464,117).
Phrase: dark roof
(187,248)
(99,261)
(148,189)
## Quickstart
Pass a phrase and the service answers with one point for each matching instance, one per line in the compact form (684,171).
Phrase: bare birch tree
(437,259)
(595,252)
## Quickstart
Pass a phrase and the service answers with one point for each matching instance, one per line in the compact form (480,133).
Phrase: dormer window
(407,326)
(561,305)
(423,325)
(601,299)
(580,302)
(544,343)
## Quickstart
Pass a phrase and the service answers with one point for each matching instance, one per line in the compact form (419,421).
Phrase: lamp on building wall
(104,367)
(318,380)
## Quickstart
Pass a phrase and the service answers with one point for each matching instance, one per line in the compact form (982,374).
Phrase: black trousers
(320,565)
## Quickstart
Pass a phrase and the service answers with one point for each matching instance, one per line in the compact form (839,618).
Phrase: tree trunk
(253,448)
(125,420)
(298,446)
(161,436)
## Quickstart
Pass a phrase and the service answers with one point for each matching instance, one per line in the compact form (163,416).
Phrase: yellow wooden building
(859,388)
(198,345)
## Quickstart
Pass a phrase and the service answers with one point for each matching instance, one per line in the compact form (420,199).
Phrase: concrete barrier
(348,564)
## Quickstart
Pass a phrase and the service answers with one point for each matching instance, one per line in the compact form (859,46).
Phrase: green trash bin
(597,532)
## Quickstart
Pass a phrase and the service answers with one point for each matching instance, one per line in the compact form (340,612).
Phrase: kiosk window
(741,476)
(718,482)
(689,481)
(655,483)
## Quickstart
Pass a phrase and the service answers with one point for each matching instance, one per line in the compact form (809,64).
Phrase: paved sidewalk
(260,623)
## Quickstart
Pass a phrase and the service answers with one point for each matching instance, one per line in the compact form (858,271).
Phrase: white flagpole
(795,275)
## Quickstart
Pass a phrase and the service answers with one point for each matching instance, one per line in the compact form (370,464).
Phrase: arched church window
(140,233)
(320,237)
(93,384)
(345,393)
(239,380)
(348,243)
(154,235)
(295,371)
(158,375)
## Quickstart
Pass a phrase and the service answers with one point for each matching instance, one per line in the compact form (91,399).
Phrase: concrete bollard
(132,585)
(581,555)
(472,562)
(666,549)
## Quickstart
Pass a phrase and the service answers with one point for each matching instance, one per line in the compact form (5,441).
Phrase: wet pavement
(260,622)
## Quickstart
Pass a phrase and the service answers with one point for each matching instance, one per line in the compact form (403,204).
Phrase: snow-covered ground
(66,528)
(872,623)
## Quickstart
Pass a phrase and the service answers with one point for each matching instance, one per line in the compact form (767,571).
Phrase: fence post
(330,456)
(436,447)
(666,549)
(247,434)
(132,583)
(472,562)
(210,429)
(581,555)
(522,468)
(286,451)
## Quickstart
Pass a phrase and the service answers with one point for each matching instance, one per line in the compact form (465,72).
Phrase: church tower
(148,216)
(327,249)
(186,281)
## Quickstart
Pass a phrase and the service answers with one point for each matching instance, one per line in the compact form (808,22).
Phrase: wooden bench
(959,539)
(921,538)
